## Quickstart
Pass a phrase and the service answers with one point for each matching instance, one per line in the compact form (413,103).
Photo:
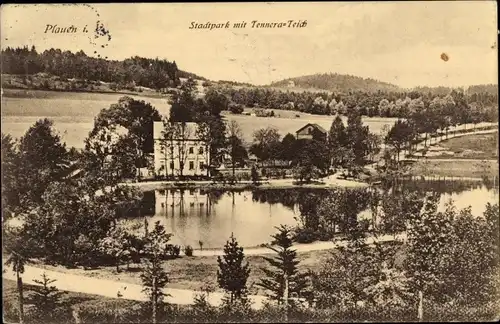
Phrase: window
(201,165)
(191,150)
(200,151)
(171,165)
(191,192)
(191,165)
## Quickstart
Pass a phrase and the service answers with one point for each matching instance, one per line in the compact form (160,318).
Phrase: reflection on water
(210,216)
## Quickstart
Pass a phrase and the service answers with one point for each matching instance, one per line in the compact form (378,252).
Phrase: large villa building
(181,153)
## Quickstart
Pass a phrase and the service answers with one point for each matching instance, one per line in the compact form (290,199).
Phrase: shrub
(188,250)
(305,235)
(173,251)
(235,108)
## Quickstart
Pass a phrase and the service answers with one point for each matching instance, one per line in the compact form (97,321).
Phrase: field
(456,168)
(73,114)
(479,146)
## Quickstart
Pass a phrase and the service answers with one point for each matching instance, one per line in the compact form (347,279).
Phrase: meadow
(73,114)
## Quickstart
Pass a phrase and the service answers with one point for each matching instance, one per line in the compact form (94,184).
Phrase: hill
(336,82)
(126,74)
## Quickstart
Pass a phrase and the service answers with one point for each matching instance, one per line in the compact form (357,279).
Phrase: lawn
(459,168)
(198,273)
(195,273)
(479,146)
(67,301)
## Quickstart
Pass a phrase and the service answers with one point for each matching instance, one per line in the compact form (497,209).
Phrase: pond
(211,216)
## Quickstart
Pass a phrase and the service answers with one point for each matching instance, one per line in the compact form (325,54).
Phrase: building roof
(190,130)
(318,127)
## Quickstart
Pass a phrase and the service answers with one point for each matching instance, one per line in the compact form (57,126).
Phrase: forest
(139,71)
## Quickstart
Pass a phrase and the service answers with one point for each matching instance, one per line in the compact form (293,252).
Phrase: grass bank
(477,146)
(455,168)
(198,273)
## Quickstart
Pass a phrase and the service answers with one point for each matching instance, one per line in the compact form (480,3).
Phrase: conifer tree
(154,277)
(233,273)
(46,297)
(283,279)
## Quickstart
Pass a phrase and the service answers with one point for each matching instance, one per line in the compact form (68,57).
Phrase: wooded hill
(337,83)
(136,71)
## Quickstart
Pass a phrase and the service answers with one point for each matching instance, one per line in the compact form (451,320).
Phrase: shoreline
(272,184)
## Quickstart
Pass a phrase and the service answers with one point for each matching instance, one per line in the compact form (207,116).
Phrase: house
(311,131)
(178,150)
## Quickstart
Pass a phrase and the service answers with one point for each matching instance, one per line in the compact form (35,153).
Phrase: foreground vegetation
(445,270)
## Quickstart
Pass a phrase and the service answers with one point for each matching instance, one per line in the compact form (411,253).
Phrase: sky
(395,42)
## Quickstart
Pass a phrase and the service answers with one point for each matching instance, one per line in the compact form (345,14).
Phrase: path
(301,248)
(112,288)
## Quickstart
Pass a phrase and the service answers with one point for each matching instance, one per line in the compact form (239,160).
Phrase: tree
(337,141)
(42,161)
(312,159)
(183,103)
(216,101)
(284,279)
(233,274)
(237,150)
(46,298)
(10,164)
(154,277)
(469,279)
(289,147)
(391,289)
(115,245)
(125,129)
(429,236)
(17,249)
(57,227)
(265,140)
(346,275)
(399,136)
(212,131)
(357,135)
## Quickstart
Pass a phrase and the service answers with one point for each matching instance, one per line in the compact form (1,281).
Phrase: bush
(188,250)
(305,235)
(173,251)
(235,108)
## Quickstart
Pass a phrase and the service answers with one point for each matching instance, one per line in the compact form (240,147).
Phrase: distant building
(180,153)
(311,131)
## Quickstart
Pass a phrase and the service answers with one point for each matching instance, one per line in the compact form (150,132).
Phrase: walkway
(300,248)
(115,289)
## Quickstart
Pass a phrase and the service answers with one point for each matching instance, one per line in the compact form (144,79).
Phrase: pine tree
(46,297)
(233,274)
(154,277)
(284,280)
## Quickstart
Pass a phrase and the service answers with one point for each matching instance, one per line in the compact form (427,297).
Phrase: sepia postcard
(250,162)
